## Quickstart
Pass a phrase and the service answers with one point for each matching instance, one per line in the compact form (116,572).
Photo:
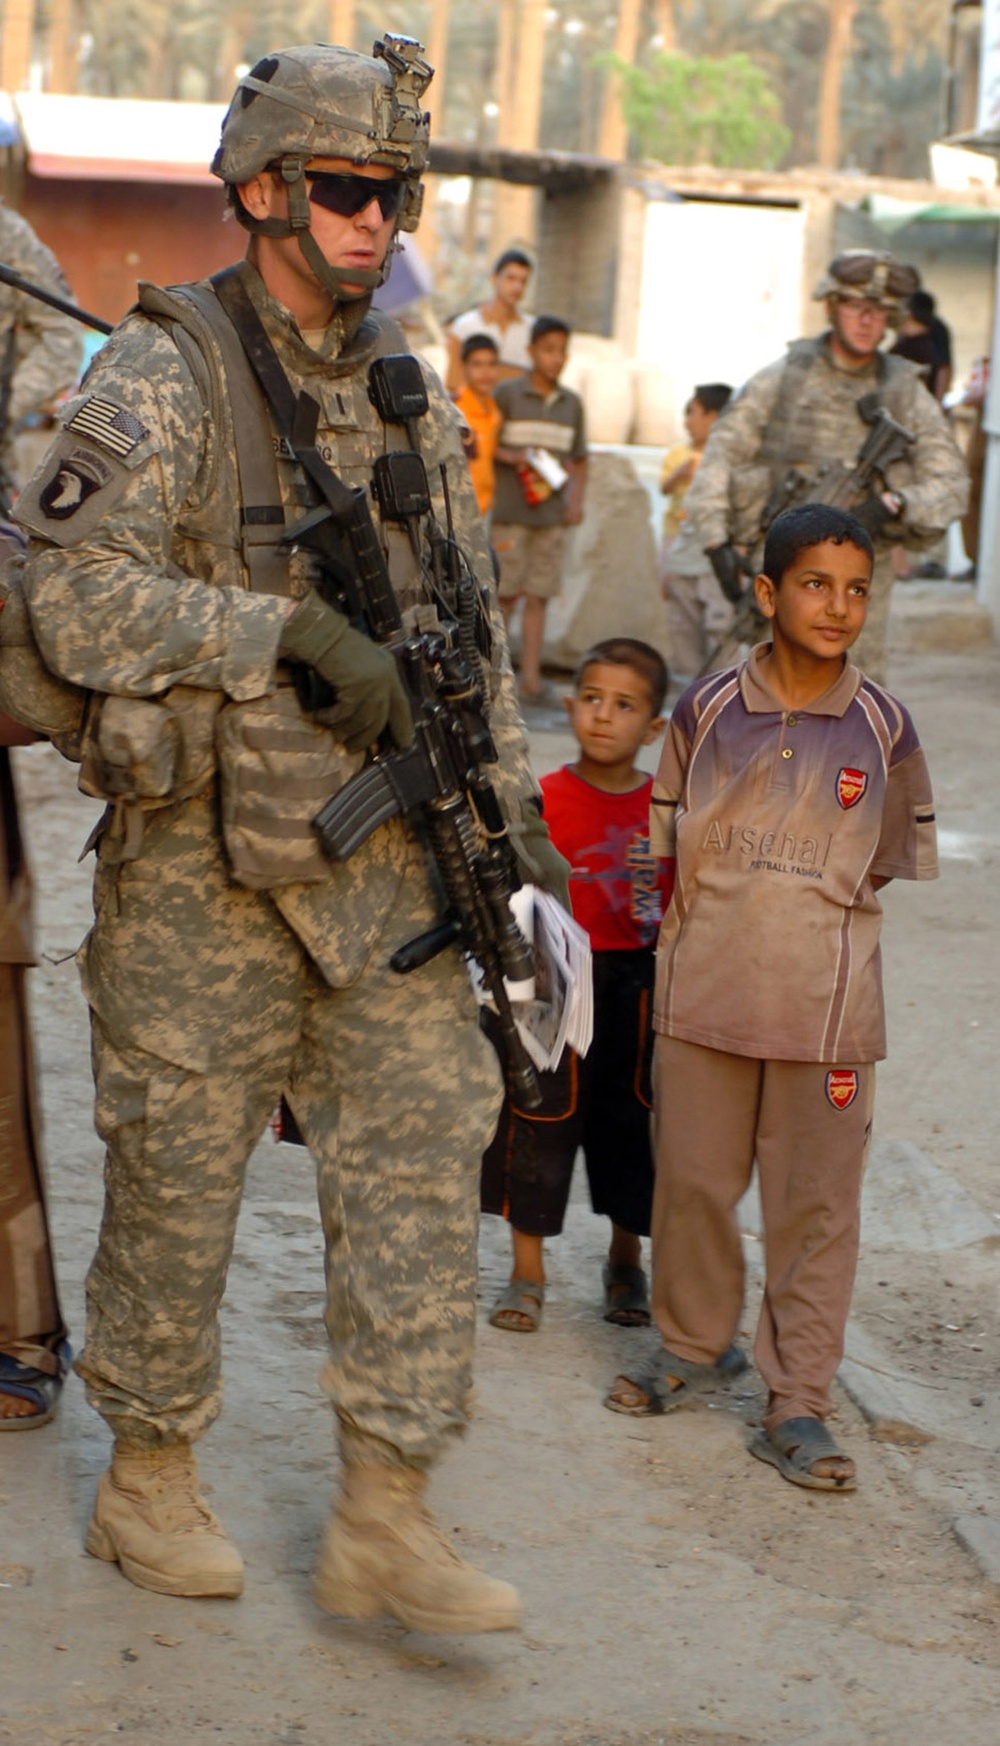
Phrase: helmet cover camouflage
(869,276)
(317,100)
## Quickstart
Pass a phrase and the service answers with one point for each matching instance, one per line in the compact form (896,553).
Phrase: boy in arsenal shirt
(791,789)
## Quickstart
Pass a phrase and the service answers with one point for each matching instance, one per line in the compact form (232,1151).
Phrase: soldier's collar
(340,336)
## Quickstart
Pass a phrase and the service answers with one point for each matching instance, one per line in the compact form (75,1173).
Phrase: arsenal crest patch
(842,1086)
(851,785)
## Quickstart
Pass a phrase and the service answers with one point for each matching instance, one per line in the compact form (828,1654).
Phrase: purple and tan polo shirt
(779,820)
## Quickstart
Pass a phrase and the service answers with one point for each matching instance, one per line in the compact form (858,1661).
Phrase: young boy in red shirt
(791,789)
(597,811)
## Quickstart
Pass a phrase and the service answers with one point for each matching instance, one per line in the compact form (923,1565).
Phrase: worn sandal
(522,1298)
(795,1447)
(653,1383)
(23,1382)
(626,1295)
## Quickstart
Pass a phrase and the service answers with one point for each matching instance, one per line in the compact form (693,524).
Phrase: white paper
(560,1012)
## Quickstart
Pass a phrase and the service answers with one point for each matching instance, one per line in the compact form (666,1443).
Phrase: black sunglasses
(348,195)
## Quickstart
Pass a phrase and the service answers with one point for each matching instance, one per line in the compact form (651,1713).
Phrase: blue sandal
(23,1382)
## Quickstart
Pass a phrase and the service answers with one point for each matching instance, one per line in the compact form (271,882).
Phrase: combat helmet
(869,276)
(318,100)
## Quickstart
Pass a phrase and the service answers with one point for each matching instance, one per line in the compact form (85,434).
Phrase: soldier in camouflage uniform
(225,966)
(802,412)
(40,348)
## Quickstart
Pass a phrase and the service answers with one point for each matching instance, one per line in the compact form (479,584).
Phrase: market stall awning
(120,139)
(891,215)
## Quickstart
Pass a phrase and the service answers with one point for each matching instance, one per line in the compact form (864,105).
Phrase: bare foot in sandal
(518,1309)
(667,1382)
(805,1453)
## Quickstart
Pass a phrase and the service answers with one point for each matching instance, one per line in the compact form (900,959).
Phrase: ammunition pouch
(142,753)
(276,766)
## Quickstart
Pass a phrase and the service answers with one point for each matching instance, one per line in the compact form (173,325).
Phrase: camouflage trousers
(205,1007)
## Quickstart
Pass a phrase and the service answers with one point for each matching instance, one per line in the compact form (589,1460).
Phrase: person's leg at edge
(31,1324)
(397,1090)
(532,637)
(617,1138)
(811,1154)
(705,1111)
(526,1175)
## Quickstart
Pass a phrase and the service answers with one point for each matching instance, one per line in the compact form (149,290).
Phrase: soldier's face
(860,325)
(361,240)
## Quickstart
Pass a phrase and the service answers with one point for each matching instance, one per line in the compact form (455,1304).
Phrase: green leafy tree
(693,109)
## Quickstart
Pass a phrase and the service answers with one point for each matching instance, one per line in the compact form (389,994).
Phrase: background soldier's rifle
(842,486)
(439,782)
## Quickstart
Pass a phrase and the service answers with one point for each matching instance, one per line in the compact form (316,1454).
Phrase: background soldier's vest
(791,437)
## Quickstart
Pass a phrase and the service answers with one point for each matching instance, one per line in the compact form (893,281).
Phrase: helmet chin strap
(344,284)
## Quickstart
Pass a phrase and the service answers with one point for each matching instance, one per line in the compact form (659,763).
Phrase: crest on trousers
(851,785)
(842,1086)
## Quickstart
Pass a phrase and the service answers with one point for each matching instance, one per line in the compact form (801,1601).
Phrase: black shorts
(601,1102)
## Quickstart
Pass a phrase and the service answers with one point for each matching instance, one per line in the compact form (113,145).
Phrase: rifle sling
(291,412)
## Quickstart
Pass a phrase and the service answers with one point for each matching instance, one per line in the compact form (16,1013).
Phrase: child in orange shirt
(480,372)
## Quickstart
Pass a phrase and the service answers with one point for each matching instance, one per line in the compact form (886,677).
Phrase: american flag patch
(109,425)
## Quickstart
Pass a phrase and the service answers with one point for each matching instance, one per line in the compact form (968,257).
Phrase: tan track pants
(714,1113)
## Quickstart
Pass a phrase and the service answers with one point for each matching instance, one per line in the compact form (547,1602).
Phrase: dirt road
(675,1591)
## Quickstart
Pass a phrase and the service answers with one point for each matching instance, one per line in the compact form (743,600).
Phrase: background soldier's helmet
(864,275)
(319,101)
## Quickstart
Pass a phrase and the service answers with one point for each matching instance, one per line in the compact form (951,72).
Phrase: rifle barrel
(9,277)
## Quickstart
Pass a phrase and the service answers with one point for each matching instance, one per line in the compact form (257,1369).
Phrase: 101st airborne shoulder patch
(77,476)
(111,426)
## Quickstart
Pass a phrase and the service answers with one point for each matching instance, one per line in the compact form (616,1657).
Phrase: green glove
(538,858)
(364,676)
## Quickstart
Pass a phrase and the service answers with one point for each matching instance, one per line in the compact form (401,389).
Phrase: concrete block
(980,1535)
(610,580)
(897,1409)
(912,1409)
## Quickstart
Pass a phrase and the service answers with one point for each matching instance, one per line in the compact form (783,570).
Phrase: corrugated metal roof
(118,138)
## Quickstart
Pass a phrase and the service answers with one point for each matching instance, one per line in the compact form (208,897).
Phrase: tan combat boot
(383,1553)
(151,1519)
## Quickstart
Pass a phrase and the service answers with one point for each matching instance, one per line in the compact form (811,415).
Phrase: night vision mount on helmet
(321,101)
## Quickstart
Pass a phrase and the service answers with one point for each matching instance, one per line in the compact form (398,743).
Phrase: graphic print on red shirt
(619,890)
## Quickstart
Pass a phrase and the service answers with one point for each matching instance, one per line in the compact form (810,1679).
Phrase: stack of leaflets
(555,1009)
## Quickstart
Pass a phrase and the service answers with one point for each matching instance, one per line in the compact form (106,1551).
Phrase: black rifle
(63,304)
(837,483)
(438,783)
